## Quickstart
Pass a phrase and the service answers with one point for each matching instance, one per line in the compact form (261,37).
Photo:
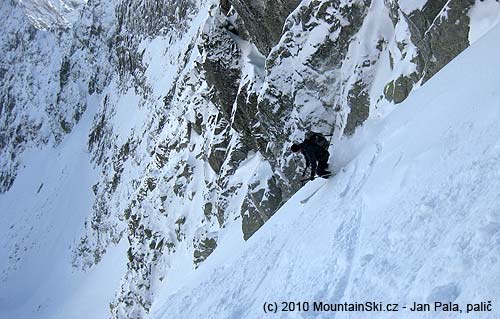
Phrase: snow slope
(41,221)
(414,215)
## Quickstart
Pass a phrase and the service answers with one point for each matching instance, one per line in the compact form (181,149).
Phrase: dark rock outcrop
(264,20)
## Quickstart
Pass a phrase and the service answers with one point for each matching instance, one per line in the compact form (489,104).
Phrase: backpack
(317,139)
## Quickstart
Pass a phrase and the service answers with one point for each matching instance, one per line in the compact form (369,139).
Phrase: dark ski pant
(321,169)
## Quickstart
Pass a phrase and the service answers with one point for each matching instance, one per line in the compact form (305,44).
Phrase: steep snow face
(182,128)
(483,16)
(41,222)
(413,216)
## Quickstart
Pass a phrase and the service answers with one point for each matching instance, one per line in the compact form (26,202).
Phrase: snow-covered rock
(49,14)
(142,131)
(413,216)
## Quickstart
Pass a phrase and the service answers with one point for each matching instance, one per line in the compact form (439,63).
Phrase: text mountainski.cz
(374,306)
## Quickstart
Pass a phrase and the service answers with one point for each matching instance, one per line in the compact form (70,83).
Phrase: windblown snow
(414,216)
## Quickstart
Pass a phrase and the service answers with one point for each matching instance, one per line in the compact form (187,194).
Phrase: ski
(326,176)
(303,181)
(305,200)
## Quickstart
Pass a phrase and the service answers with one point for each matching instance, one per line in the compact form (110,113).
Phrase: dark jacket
(314,155)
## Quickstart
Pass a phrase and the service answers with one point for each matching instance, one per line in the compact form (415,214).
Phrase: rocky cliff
(195,104)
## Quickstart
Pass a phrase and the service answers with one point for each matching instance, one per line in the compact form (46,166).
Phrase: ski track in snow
(414,217)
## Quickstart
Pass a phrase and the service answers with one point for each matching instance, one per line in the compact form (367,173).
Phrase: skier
(315,151)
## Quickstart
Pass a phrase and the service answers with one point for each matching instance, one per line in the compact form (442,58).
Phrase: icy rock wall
(198,103)
(46,79)
(229,112)
(51,14)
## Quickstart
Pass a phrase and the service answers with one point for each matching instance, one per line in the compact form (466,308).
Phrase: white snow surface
(413,215)
(408,6)
(44,14)
(41,221)
(484,15)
